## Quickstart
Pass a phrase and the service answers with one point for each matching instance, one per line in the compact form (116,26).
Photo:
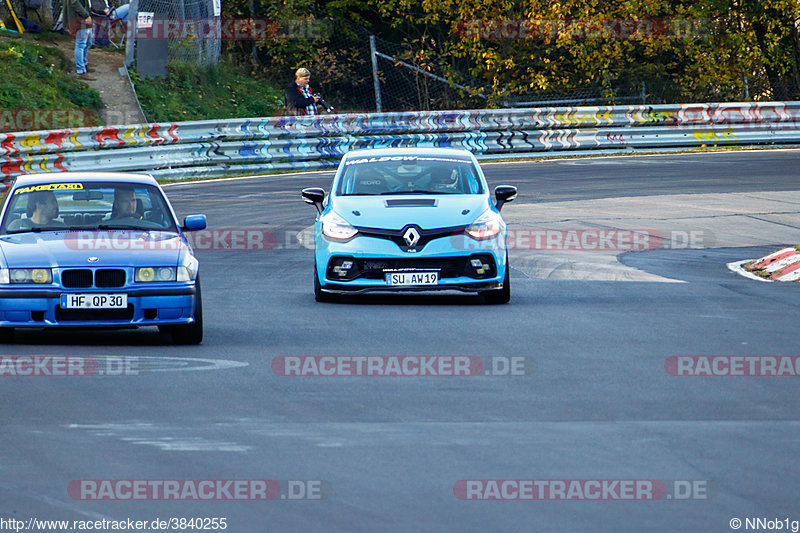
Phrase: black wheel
(500,296)
(319,294)
(6,334)
(190,333)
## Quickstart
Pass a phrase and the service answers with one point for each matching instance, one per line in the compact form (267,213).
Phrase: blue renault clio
(410,219)
(96,249)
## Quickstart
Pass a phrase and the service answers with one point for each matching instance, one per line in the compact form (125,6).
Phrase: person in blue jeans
(78,21)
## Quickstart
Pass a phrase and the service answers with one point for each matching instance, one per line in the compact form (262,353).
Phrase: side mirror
(504,194)
(194,223)
(314,196)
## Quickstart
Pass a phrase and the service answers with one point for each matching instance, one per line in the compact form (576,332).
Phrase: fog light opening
(342,267)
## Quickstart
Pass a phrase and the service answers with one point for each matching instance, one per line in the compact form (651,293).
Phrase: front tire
(191,333)
(500,296)
(319,294)
(6,335)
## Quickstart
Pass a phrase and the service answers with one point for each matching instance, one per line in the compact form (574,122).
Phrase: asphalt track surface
(596,402)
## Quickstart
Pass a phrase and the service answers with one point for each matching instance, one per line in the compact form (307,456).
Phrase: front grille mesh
(109,277)
(83,278)
(76,278)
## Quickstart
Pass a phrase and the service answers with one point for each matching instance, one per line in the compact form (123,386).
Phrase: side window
(472,182)
(346,183)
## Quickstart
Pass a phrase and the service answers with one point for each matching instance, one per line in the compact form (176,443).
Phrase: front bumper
(36,308)
(373,258)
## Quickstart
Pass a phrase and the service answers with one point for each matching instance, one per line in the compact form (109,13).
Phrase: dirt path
(119,100)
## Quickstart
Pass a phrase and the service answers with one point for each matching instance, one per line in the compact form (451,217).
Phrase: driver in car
(445,182)
(124,204)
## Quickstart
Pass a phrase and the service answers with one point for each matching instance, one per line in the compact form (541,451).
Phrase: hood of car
(396,211)
(52,249)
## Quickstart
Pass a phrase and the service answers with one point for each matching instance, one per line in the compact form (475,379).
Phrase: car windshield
(366,176)
(86,206)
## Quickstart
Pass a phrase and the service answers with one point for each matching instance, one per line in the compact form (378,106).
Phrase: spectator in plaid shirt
(299,97)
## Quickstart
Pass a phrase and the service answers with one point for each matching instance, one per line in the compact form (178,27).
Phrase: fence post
(375,80)
(130,44)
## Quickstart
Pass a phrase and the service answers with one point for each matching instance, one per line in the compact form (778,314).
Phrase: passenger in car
(42,210)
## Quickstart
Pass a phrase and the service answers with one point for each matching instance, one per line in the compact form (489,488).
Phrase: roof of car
(69,177)
(380,152)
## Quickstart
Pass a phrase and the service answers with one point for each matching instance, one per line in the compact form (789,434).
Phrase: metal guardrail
(219,147)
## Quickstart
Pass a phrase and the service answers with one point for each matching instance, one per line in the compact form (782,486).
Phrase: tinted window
(409,175)
(56,206)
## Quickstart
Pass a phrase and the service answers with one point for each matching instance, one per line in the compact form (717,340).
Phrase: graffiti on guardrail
(212,148)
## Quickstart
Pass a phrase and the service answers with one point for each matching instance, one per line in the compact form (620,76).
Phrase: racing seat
(370,183)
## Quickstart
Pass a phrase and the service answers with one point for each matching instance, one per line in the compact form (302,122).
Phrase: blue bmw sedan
(96,249)
(410,219)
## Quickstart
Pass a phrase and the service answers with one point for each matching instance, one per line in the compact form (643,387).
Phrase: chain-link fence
(409,78)
(337,54)
(356,71)
(181,25)
(191,28)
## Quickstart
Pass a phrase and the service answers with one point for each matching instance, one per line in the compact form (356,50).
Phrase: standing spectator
(78,20)
(299,97)
(100,15)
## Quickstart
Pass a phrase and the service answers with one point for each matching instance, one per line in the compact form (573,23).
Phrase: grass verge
(216,92)
(37,90)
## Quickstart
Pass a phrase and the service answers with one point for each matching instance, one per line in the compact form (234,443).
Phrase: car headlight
(188,270)
(26,275)
(185,272)
(150,274)
(336,228)
(486,226)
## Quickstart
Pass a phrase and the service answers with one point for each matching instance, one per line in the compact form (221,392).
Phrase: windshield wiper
(116,226)
(36,229)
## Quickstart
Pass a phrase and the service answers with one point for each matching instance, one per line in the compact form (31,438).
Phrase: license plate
(412,278)
(94,301)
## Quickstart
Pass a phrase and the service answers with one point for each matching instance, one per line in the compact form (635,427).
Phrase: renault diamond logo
(411,236)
